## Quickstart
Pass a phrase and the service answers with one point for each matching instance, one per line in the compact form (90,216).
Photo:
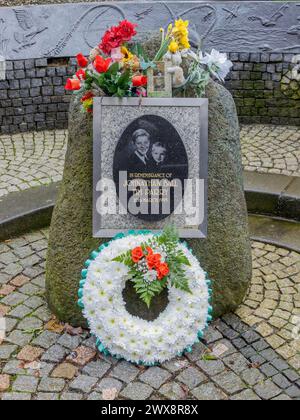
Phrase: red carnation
(110,41)
(82,61)
(137,254)
(73,84)
(162,271)
(153,261)
(126,30)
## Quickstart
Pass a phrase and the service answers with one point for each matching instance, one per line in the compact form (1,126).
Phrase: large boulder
(225,254)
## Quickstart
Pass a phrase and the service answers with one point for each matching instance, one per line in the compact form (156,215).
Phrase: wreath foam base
(124,336)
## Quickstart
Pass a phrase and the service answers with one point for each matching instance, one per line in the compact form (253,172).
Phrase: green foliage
(176,260)
(112,83)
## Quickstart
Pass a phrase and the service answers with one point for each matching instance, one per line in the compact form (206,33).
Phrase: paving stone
(83,383)
(209,392)
(46,339)
(13,299)
(269,354)
(252,376)
(211,367)
(125,371)
(30,323)
(20,312)
(29,353)
(71,396)
(16,396)
(47,396)
(3,310)
(198,350)
(13,368)
(69,341)
(191,377)
(267,390)
(54,354)
(229,382)
(250,337)
(236,362)
(81,356)
(173,391)
(291,375)
(137,391)
(6,290)
(51,385)
(176,364)
(95,396)
(260,345)
(34,302)
(109,383)
(6,350)
(247,395)
(212,335)
(269,370)
(282,397)
(239,343)
(281,381)
(280,364)
(25,384)
(155,377)
(96,369)
(293,392)
(4,382)
(20,338)
(65,371)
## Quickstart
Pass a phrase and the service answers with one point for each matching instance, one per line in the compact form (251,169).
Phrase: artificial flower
(126,30)
(218,63)
(82,60)
(173,47)
(117,55)
(150,276)
(137,254)
(94,53)
(101,64)
(153,260)
(81,74)
(162,271)
(110,41)
(127,55)
(87,96)
(73,84)
(139,80)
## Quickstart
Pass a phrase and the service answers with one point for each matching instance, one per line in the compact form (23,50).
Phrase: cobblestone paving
(33,159)
(243,356)
(271,149)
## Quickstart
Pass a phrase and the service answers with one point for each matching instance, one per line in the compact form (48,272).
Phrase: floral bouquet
(119,67)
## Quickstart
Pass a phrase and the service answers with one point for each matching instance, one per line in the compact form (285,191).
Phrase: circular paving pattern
(249,355)
(31,159)
(271,149)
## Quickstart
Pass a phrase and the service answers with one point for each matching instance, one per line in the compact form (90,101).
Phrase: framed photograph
(150,165)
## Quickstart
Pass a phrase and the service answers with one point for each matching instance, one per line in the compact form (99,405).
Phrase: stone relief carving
(31,28)
(273,19)
(3,39)
(228,26)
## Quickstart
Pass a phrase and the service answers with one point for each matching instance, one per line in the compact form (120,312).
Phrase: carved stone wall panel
(63,30)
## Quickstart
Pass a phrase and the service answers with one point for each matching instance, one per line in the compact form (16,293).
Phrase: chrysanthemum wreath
(152,262)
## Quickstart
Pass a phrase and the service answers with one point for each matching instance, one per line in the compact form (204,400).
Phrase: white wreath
(129,337)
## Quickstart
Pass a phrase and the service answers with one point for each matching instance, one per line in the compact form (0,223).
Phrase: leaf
(113,70)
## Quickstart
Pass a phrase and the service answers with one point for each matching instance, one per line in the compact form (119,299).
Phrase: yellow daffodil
(128,56)
(173,47)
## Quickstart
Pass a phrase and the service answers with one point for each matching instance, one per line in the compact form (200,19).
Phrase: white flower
(150,276)
(133,338)
(217,62)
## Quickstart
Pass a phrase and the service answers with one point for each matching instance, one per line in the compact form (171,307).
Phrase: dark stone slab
(63,30)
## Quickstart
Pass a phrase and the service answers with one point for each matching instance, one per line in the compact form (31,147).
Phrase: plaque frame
(99,103)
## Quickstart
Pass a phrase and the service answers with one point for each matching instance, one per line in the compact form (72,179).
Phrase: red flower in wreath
(153,260)
(126,30)
(73,84)
(110,41)
(137,254)
(162,271)
(139,81)
(102,64)
(82,61)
